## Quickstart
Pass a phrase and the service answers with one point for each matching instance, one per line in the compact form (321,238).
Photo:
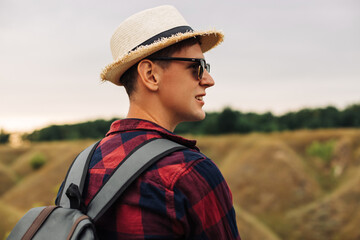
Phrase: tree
(4,137)
(350,117)
(227,121)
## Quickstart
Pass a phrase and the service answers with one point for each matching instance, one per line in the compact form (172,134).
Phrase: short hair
(128,79)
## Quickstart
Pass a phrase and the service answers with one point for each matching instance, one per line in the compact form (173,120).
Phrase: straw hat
(147,32)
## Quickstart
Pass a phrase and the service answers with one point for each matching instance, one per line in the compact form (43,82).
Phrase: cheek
(177,95)
(176,89)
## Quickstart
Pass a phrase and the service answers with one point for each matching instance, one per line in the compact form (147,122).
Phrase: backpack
(70,219)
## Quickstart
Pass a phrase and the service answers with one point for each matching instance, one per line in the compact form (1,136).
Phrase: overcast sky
(277,56)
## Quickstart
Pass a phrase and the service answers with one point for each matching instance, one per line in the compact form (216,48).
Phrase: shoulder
(202,174)
(186,166)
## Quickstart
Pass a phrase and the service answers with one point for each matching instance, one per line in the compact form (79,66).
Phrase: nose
(207,80)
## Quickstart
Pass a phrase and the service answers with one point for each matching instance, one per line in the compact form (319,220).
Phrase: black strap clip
(76,200)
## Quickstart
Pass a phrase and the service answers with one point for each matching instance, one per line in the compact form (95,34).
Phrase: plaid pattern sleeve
(203,202)
(182,196)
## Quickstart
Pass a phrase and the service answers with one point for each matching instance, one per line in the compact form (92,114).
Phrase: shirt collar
(131,124)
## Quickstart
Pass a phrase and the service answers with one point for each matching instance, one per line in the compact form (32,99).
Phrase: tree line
(226,121)
(91,129)
(232,121)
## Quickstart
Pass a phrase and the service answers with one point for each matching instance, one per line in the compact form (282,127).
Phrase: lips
(200,97)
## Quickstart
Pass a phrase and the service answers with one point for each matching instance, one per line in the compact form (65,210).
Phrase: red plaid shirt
(182,196)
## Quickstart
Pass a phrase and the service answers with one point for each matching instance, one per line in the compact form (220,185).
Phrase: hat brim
(113,71)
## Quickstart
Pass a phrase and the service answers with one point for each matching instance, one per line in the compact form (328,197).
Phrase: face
(181,93)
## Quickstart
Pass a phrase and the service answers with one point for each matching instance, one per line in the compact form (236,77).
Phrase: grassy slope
(251,228)
(295,195)
(39,187)
(335,216)
(280,192)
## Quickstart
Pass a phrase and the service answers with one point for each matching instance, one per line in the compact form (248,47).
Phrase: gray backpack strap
(128,170)
(77,174)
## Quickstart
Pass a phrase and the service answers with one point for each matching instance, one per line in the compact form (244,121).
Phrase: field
(290,185)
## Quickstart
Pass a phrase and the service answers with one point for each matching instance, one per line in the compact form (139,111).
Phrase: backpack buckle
(76,200)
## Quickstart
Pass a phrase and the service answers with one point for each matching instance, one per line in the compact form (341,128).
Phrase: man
(159,60)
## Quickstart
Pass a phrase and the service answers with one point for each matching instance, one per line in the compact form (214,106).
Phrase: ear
(149,74)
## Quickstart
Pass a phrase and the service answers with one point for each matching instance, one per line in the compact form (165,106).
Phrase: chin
(193,117)
(199,117)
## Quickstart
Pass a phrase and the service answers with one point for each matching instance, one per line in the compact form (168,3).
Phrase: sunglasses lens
(203,65)
(208,67)
(200,72)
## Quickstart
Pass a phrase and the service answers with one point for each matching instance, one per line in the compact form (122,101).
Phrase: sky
(277,56)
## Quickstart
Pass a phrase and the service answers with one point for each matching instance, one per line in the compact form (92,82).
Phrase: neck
(147,112)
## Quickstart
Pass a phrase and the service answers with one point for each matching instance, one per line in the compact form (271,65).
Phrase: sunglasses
(202,63)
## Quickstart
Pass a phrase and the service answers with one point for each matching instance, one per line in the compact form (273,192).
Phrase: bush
(323,150)
(37,161)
